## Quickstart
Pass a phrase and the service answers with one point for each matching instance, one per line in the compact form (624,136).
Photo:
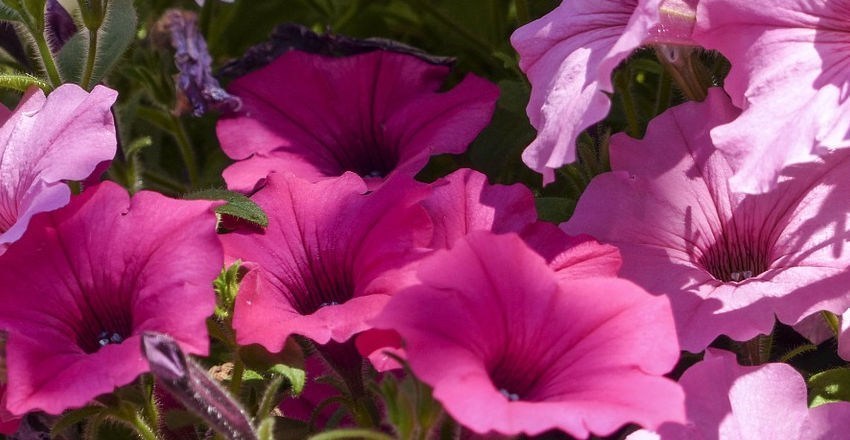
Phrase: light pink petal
(506,325)
(827,422)
(370,113)
(787,61)
(105,263)
(726,401)
(729,262)
(329,259)
(569,55)
(46,141)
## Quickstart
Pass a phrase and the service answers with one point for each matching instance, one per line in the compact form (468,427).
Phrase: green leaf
(238,205)
(353,433)
(114,37)
(829,386)
(73,417)
(22,81)
(266,429)
(296,376)
(72,56)
(8,14)
(226,287)
(554,209)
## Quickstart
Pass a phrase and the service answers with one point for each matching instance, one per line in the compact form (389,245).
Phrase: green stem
(47,58)
(756,351)
(523,15)
(621,83)
(91,57)
(350,434)
(832,321)
(150,408)
(133,418)
(665,89)
(236,378)
(186,150)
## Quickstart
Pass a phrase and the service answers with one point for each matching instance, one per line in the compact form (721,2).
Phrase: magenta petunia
(84,282)
(789,59)
(729,262)
(371,114)
(513,349)
(464,201)
(45,141)
(569,55)
(726,401)
(329,259)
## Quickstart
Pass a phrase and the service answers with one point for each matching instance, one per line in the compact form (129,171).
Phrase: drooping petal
(788,59)
(45,141)
(370,113)
(508,348)
(569,55)
(86,281)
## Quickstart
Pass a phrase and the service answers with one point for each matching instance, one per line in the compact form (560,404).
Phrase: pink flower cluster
(729,214)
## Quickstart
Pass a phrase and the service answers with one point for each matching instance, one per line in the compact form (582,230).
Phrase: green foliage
(238,205)
(829,386)
(22,81)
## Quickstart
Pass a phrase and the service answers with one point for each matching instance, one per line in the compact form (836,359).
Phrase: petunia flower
(788,59)
(726,401)
(84,282)
(371,113)
(729,262)
(45,141)
(509,348)
(464,201)
(569,56)
(329,259)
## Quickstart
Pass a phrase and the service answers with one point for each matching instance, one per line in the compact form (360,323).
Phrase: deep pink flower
(464,201)
(510,348)
(370,113)
(728,261)
(569,55)
(329,259)
(84,282)
(788,62)
(726,401)
(46,141)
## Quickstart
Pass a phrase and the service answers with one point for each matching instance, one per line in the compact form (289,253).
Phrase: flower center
(735,259)
(107,337)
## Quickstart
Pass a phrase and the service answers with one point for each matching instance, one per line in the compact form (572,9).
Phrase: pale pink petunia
(84,282)
(569,55)
(509,348)
(789,63)
(729,262)
(329,259)
(372,114)
(726,401)
(46,141)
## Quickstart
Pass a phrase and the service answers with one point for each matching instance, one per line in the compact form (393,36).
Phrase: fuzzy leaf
(296,376)
(22,81)
(238,205)
(829,386)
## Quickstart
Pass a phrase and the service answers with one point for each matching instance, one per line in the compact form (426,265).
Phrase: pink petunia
(569,55)
(84,282)
(46,141)
(789,59)
(509,347)
(329,259)
(371,114)
(726,401)
(729,262)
